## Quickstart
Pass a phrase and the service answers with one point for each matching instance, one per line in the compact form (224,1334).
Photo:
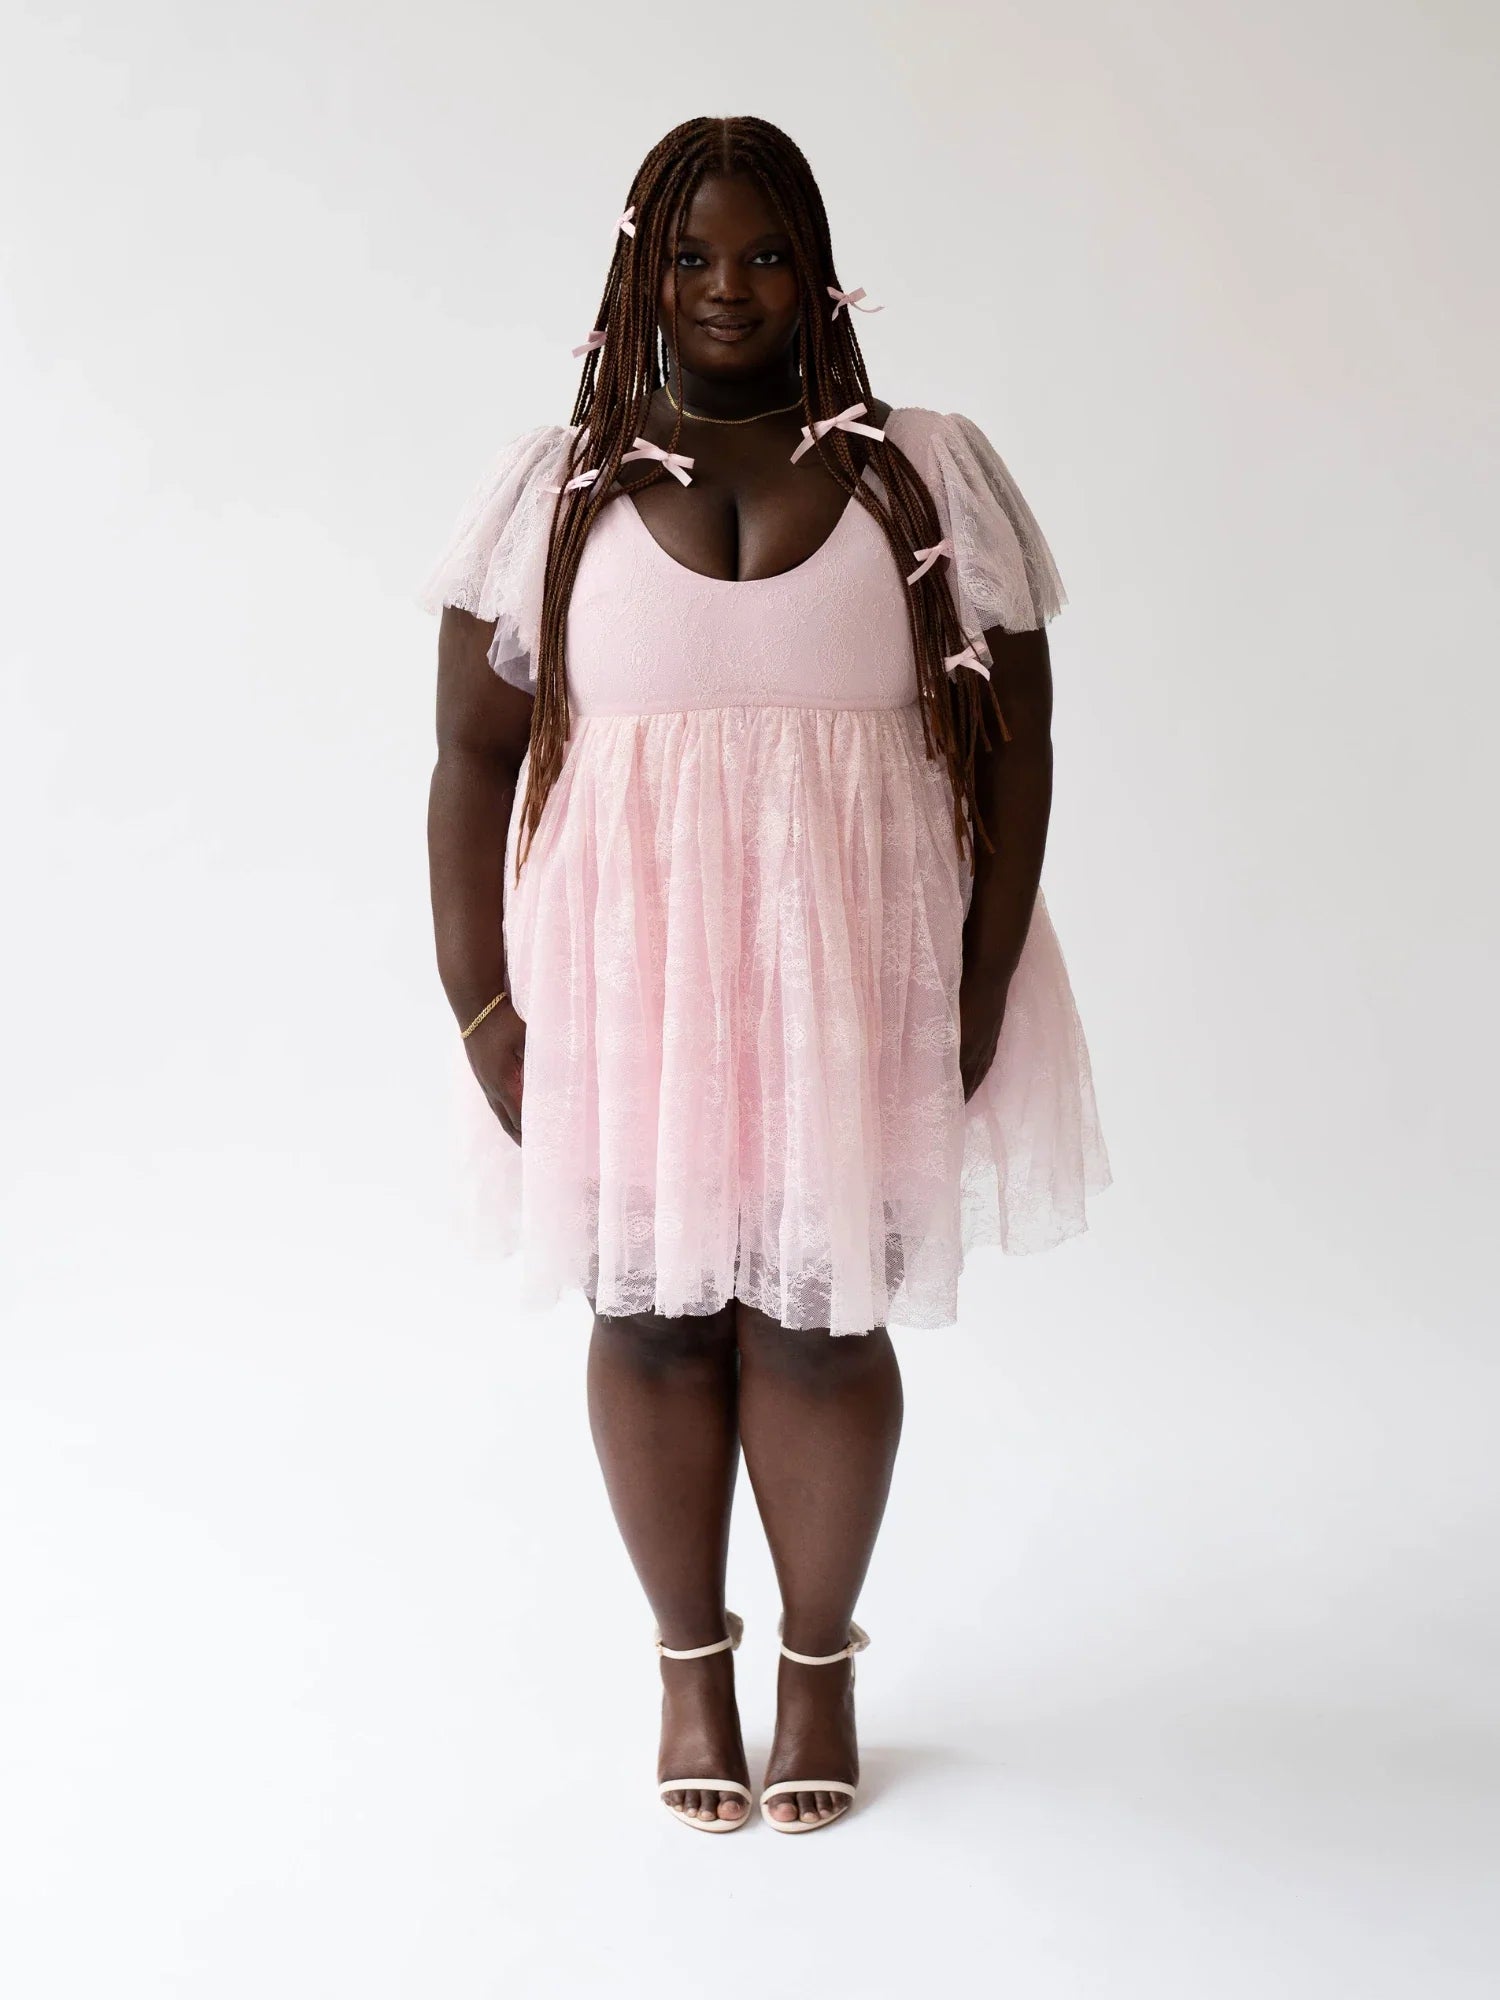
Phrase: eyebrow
(770,236)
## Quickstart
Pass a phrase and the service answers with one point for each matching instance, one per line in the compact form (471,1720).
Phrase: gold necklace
(694,417)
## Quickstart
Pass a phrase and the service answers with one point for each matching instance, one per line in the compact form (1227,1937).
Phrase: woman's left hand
(981,1015)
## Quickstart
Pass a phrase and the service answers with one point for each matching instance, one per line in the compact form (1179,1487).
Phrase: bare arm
(483,726)
(1013,782)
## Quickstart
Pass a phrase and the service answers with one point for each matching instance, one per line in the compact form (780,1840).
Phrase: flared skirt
(736,943)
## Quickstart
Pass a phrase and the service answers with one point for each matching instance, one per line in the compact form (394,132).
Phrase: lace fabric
(495,558)
(1003,569)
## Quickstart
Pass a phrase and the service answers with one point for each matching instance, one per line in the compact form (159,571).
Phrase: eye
(775,256)
(689,260)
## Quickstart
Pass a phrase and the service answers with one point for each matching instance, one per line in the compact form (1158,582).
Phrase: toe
(823,1804)
(784,1806)
(807,1804)
(731,1806)
(690,1803)
(673,1799)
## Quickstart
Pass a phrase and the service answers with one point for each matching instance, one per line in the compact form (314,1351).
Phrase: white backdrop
(325,1672)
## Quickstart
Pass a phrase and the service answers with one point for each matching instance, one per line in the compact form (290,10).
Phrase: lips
(728,328)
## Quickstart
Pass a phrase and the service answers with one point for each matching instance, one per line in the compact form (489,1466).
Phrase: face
(737,293)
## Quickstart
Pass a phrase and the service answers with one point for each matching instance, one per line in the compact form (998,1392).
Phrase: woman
(743,714)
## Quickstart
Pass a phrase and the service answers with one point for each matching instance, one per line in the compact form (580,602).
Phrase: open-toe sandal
(736,1626)
(859,1638)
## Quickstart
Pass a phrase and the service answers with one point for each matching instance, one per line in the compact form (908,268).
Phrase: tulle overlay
(736,946)
(736,940)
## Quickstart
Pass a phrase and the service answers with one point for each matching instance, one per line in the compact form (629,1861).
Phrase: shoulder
(1004,571)
(528,449)
(920,432)
(547,434)
(510,470)
(498,538)
(952,452)
(925,437)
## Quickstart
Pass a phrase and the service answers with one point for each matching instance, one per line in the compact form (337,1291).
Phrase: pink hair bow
(582,479)
(595,339)
(675,462)
(927,557)
(624,222)
(851,299)
(967,658)
(844,421)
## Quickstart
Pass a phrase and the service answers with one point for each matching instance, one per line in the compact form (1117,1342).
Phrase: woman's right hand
(497,1056)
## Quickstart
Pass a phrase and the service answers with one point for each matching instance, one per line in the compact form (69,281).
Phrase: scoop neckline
(745,582)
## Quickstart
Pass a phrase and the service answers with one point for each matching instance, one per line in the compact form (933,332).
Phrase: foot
(700,1731)
(814,1735)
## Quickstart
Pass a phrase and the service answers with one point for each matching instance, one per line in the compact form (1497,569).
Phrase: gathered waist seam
(768,707)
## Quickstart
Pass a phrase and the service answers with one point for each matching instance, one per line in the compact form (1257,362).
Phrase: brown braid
(620,378)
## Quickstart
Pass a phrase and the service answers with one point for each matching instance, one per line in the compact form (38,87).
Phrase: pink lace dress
(736,941)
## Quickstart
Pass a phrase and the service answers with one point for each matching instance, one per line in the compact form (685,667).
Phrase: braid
(614,395)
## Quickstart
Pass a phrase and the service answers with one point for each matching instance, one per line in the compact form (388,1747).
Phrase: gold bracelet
(481,1015)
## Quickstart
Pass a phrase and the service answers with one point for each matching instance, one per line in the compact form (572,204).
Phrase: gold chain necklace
(694,417)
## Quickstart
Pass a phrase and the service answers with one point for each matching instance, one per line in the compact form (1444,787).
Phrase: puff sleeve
(1002,571)
(495,558)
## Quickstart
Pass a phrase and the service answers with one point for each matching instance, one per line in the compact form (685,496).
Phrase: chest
(744,518)
(648,633)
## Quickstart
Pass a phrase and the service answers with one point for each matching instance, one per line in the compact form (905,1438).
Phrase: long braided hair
(614,395)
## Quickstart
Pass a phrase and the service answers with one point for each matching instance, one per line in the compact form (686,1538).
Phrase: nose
(727,285)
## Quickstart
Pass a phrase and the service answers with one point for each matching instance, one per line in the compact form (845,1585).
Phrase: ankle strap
(694,1652)
(736,1626)
(859,1638)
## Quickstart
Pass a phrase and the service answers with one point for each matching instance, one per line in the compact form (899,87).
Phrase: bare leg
(662,1396)
(820,1420)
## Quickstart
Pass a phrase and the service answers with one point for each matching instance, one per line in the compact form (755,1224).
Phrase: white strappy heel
(859,1638)
(736,1626)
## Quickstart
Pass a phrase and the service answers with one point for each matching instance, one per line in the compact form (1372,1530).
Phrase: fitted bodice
(646,634)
